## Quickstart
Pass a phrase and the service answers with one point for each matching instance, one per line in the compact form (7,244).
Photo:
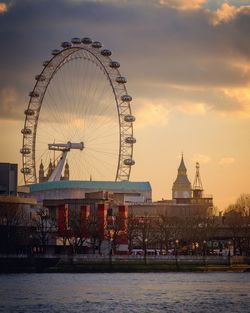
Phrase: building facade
(8,179)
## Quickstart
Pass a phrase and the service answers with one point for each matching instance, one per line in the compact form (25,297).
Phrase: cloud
(241,96)
(227,161)
(183,4)
(179,47)
(194,108)
(9,103)
(201,158)
(3,7)
(151,114)
(227,13)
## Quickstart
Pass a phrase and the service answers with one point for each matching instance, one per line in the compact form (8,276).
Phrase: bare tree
(132,230)
(15,226)
(45,226)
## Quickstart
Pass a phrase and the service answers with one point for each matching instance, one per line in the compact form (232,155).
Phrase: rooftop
(81,184)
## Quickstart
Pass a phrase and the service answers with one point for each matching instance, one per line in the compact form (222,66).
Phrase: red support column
(85,212)
(123,214)
(101,219)
(62,217)
(122,239)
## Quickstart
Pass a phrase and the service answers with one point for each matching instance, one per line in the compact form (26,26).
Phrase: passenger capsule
(96,44)
(86,40)
(126,98)
(26,131)
(121,80)
(29,112)
(25,150)
(106,52)
(26,170)
(45,63)
(129,118)
(114,64)
(131,140)
(40,78)
(76,41)
(129,162)
(55,52)
(65,44)
(34,94)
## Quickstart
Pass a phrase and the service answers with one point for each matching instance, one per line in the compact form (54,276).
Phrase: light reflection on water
(149,292)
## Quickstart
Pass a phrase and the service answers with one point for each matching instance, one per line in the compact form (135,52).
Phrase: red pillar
(85,211)
(62,217)
(122,238)
(123,214)
(101,219)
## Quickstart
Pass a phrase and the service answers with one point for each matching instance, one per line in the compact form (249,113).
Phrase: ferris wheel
(79,111)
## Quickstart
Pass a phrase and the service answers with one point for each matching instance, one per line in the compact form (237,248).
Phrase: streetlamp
(229,253)
(176,253)
(145,250)
(110,250)
(205,253)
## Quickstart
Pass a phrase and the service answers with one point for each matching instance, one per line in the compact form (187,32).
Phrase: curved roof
(81,184)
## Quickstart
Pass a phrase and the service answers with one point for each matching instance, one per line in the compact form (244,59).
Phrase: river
(135,292)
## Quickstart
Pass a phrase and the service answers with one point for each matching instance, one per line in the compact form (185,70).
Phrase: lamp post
(176,254)
(229,253)
(205,253)
(145,250)
(110,250)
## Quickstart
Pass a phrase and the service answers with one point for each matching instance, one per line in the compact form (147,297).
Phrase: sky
(188,70)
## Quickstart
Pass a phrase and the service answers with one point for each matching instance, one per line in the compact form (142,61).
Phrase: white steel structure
(80,97)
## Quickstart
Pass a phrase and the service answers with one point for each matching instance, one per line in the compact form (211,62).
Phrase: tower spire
(182,187)
(197,186)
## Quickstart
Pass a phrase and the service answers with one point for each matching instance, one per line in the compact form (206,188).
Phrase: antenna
(197,181)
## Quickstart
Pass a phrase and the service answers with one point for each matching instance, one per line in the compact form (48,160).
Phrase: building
(43,177)
(70,204)
(187,200)
(15,212)
(123,192)
(182,187)
(8,179)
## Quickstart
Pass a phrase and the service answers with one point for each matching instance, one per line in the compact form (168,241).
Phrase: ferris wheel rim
(122,100)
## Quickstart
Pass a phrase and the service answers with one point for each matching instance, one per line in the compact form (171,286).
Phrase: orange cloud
(226,161)
(183,4)
(201,158)
(242,97)
(3,7)
(227,13)
(151,114)
(194,108)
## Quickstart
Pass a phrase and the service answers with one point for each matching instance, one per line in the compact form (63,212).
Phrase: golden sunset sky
(188,69)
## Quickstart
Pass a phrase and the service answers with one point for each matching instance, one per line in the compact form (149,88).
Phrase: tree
(132,230)
(145,233)
(234,221)
(237,218)
(45,226)
(15,227)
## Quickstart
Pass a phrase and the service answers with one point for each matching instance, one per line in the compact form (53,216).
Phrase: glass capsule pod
(129,162)
(121,80)
(86,40)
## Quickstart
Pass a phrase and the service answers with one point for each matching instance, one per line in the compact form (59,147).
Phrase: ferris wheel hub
(66,146)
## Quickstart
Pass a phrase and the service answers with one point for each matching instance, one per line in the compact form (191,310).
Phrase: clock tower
(182,187)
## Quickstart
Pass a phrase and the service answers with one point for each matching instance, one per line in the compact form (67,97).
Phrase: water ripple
(118,293)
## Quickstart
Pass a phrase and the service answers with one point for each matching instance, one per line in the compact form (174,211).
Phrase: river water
(135,292)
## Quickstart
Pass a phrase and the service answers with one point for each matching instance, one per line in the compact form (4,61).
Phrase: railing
(96,258)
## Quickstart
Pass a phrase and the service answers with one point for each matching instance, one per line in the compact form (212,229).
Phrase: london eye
(79,102)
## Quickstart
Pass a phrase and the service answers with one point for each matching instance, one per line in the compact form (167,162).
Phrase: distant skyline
(188,70)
